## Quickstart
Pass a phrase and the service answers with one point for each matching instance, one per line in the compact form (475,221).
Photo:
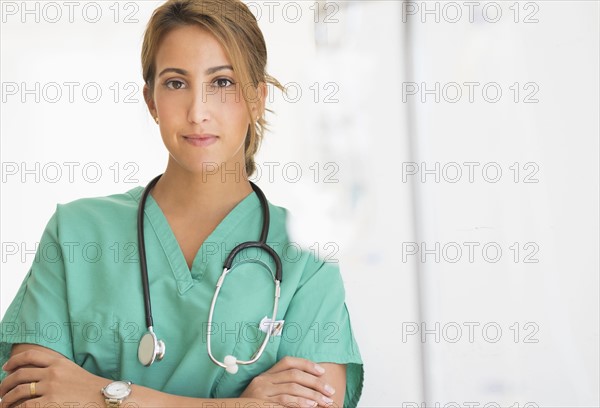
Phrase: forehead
(188,46)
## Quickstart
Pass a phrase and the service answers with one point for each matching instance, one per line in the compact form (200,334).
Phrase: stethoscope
(151,348)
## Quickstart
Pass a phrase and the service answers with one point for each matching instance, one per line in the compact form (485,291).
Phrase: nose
(199,109)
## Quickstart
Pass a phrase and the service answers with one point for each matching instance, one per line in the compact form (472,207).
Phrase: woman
(75,325)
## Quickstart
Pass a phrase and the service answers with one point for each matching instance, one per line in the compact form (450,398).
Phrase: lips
(201,140)
(199,137)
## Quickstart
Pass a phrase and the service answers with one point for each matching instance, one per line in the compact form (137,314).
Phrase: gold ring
(32,389)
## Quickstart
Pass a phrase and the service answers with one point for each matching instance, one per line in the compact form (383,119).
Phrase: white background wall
(551,298)
(361,55)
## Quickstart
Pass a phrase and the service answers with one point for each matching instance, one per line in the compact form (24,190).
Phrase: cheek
(232,105)
(233,99)
(168,105)
(234,114)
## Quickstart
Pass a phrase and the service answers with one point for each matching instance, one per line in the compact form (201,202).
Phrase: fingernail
(311,403)
(4,366)
(329,389)
(319,368)
(327,400)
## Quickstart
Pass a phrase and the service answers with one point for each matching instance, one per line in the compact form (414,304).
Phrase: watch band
(112,403)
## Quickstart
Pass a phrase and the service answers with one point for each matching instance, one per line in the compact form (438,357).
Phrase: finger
(295,375)
(32,357)
(19,393)
(294,401)
(300,391)
(31,403)
(21,376)
(298,363)
(305,379)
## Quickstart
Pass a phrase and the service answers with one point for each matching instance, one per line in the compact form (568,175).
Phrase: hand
(292,381)
(57,380)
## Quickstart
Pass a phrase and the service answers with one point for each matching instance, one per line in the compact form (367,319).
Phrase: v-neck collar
(183,275)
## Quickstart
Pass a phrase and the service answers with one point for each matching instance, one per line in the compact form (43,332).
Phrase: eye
(222,82)
(174,84)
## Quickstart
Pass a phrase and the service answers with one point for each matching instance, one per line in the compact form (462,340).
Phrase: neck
(202,194)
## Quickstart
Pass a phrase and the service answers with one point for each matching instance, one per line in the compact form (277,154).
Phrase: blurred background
(444,153)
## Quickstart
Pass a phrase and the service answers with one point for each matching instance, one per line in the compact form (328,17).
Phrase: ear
(258,105)
(148,97)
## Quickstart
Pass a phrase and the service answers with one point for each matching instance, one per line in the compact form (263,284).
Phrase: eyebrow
(209,71)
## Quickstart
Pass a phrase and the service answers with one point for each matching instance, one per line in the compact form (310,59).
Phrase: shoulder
(124,201)
(86,211)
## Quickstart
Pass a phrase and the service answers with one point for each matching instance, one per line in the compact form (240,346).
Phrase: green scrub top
(82,297)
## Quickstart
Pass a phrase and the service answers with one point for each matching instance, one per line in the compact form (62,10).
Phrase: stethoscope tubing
(142,250)
(265,341)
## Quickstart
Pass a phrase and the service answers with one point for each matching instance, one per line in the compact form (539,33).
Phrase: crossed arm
(291,382)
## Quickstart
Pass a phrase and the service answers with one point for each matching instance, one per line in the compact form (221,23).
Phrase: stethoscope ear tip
(231,365)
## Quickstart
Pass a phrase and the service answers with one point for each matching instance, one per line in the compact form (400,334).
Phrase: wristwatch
(116,392)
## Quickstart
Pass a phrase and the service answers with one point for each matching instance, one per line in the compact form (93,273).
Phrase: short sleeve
(317,327)
(39,312)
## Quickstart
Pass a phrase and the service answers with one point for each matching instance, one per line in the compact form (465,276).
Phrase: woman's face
(202,115)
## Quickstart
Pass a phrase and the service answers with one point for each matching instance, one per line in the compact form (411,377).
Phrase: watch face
(117,390)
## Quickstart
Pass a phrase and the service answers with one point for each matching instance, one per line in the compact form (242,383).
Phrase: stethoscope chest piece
(150,348)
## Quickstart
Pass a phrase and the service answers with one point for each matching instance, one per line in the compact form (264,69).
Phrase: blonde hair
(236,29)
